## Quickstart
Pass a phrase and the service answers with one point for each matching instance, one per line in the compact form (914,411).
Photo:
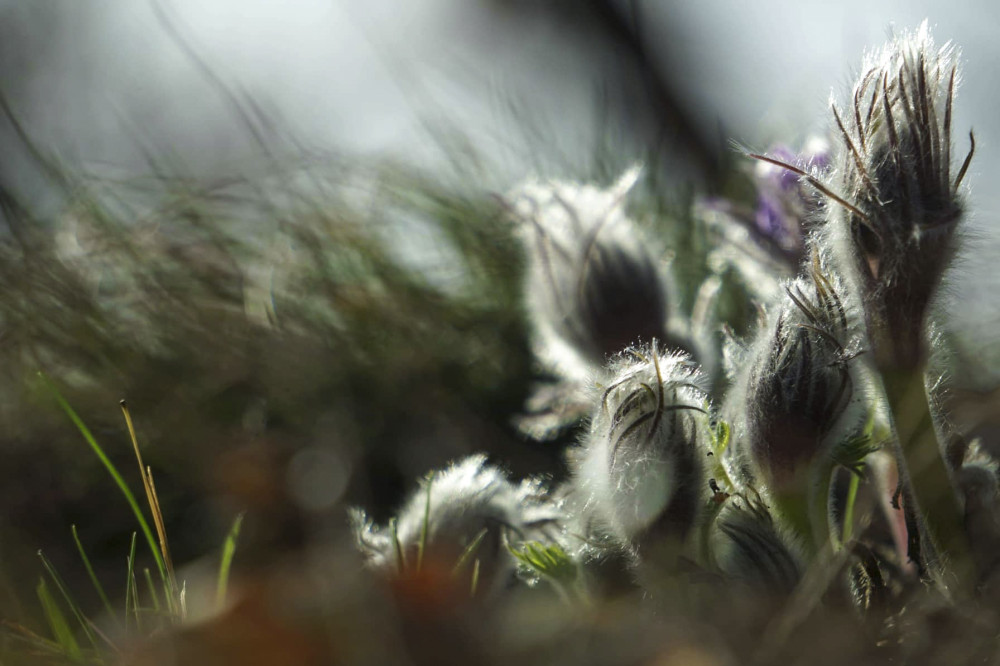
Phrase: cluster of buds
(752,490)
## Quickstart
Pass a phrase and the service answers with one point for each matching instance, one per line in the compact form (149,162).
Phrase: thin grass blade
(228,551)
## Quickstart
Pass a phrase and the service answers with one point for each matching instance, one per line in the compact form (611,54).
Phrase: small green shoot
(550,560)
(474,585)
(424,528)
(57,622)
(469,551)
(228,551)
(398,547)
(152,589)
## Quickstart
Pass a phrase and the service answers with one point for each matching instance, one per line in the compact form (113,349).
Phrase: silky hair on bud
(799,388)
(468,505)
(748,546)
(638,473)
(594,284)
(899,233)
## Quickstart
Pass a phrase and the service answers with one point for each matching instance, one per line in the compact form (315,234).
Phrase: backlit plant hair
(639,473)
(798,397)
(593,285)
(893,213)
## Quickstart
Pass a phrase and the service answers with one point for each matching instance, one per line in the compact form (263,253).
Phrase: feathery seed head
(639,473)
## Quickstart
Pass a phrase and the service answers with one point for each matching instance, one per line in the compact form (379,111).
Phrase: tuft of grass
(113,471)
(61,630)
(68,599)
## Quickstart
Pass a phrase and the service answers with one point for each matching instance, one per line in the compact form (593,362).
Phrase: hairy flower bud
(797,384)
(594,285)
(902,204)
(639,473)
(452,509)
(748,546)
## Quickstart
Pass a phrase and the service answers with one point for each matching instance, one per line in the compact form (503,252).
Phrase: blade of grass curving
(228,551)
(129,584)
(57,622)
(112,470)
(93,576)
(152,589)
(68,599)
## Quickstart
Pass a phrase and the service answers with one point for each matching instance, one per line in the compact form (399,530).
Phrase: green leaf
(550,561)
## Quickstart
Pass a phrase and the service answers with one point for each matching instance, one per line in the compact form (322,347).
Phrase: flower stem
(928,491)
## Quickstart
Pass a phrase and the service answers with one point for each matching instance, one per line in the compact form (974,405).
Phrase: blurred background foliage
(306,286)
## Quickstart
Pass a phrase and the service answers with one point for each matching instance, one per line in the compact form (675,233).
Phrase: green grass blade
(90,572)
(469,552)
(152,589)
(130,607)
(112,470)
(423,528)
(228,551)
(57,622)
(68,599)
(474,584)
(398,547)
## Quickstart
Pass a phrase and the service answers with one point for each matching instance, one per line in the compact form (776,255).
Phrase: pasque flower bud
(452,509)
(594,286)
(903,204)
(748,546)
(639,473)
(798,382)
